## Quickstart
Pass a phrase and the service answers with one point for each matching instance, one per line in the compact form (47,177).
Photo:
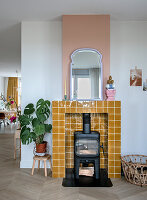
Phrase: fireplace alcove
(67,118)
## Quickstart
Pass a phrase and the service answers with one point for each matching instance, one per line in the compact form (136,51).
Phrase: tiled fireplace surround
(105,118)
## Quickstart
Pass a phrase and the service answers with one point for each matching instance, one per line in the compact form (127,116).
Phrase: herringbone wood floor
(18,184)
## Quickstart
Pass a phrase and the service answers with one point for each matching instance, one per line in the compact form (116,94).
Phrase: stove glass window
(86,147)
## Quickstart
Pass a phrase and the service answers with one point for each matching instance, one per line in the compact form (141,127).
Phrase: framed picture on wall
(136,77)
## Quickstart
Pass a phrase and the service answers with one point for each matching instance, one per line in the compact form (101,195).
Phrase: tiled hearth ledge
(66,114)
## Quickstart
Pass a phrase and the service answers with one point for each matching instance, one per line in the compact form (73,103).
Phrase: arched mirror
(86,75)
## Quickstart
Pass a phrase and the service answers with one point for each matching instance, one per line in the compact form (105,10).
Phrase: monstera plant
(33,124)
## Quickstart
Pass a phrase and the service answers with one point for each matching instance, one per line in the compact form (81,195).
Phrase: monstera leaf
(25,120)
(43,110)
(39,129)
(48,128)
(35,122)
(26,136)
(29,109)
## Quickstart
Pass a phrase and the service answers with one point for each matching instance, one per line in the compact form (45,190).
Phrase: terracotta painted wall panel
(85,31)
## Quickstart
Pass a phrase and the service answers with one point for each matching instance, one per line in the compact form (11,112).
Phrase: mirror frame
(94,50)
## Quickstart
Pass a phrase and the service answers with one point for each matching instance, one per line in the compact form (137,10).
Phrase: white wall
(2,85)
(129,49)
(41,68)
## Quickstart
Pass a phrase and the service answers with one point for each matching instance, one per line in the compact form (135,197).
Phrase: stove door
(86,147)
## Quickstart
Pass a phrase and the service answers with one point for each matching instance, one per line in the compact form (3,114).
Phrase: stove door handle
(102,146)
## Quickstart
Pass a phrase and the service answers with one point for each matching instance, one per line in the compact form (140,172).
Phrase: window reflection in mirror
(86,75)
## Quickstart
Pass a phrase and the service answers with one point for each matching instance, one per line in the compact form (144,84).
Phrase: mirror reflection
(86,75)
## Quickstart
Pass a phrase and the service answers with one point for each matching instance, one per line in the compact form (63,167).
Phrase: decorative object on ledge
(110,90)
(136,77)
(135,169)
(145,85)
(33,126)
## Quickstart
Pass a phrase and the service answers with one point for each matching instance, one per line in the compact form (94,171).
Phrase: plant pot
(41,148)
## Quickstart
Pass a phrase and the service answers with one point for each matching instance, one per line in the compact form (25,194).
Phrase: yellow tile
(117,143)
(111,137)
(55,104)
(111,110)
(55,129)
(55,156)
(55,123)
(118,124)
(61,143)
(61,129)
(100,110)
(56,169)
(117,117)
(110,104)
(73,104)
(73,120)
(79,104)
(67,110)
(55,174)
(56,163)
(55,150)
(105,110)
(73,110)
(111,130)
(61,136)
(55,136)
(117,104)
(111,124)
(118,111)
(117,170)
(111,175)
(117,137)
(111,163)
(111,116)
(55,117)
(54,110)
(61,116)
(68,104)
(111,149)
(62,103)
(61,123)
(111,156)
(110,169)
(61,110)
(117,163)
(62,149)
(117,130)
(99,104)
(55,143)
(62,162)
(117,149)
(105,103)
(117,175)
(111,144)
(117,156)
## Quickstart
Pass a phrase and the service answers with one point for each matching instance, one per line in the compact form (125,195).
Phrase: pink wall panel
(85,31)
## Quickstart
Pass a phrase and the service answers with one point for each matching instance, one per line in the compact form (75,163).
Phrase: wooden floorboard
(19,184)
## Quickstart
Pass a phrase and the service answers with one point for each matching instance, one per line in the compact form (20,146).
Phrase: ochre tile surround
(105,118)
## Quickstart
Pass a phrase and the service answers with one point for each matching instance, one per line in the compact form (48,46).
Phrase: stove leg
(96,169)
(77,165)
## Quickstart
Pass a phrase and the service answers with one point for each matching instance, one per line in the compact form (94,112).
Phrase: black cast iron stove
(87,147)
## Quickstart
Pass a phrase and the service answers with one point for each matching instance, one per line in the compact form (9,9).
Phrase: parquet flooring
(18,184)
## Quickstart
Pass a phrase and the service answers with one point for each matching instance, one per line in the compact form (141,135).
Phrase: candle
(65,87)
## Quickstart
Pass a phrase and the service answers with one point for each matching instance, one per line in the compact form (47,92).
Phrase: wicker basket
(135,169)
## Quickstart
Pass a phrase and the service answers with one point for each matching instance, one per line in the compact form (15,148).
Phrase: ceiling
(12,12)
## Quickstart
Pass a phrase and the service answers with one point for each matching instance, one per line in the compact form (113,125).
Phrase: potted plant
(33,126)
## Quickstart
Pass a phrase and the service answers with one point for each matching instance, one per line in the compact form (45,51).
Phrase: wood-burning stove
(87,147)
